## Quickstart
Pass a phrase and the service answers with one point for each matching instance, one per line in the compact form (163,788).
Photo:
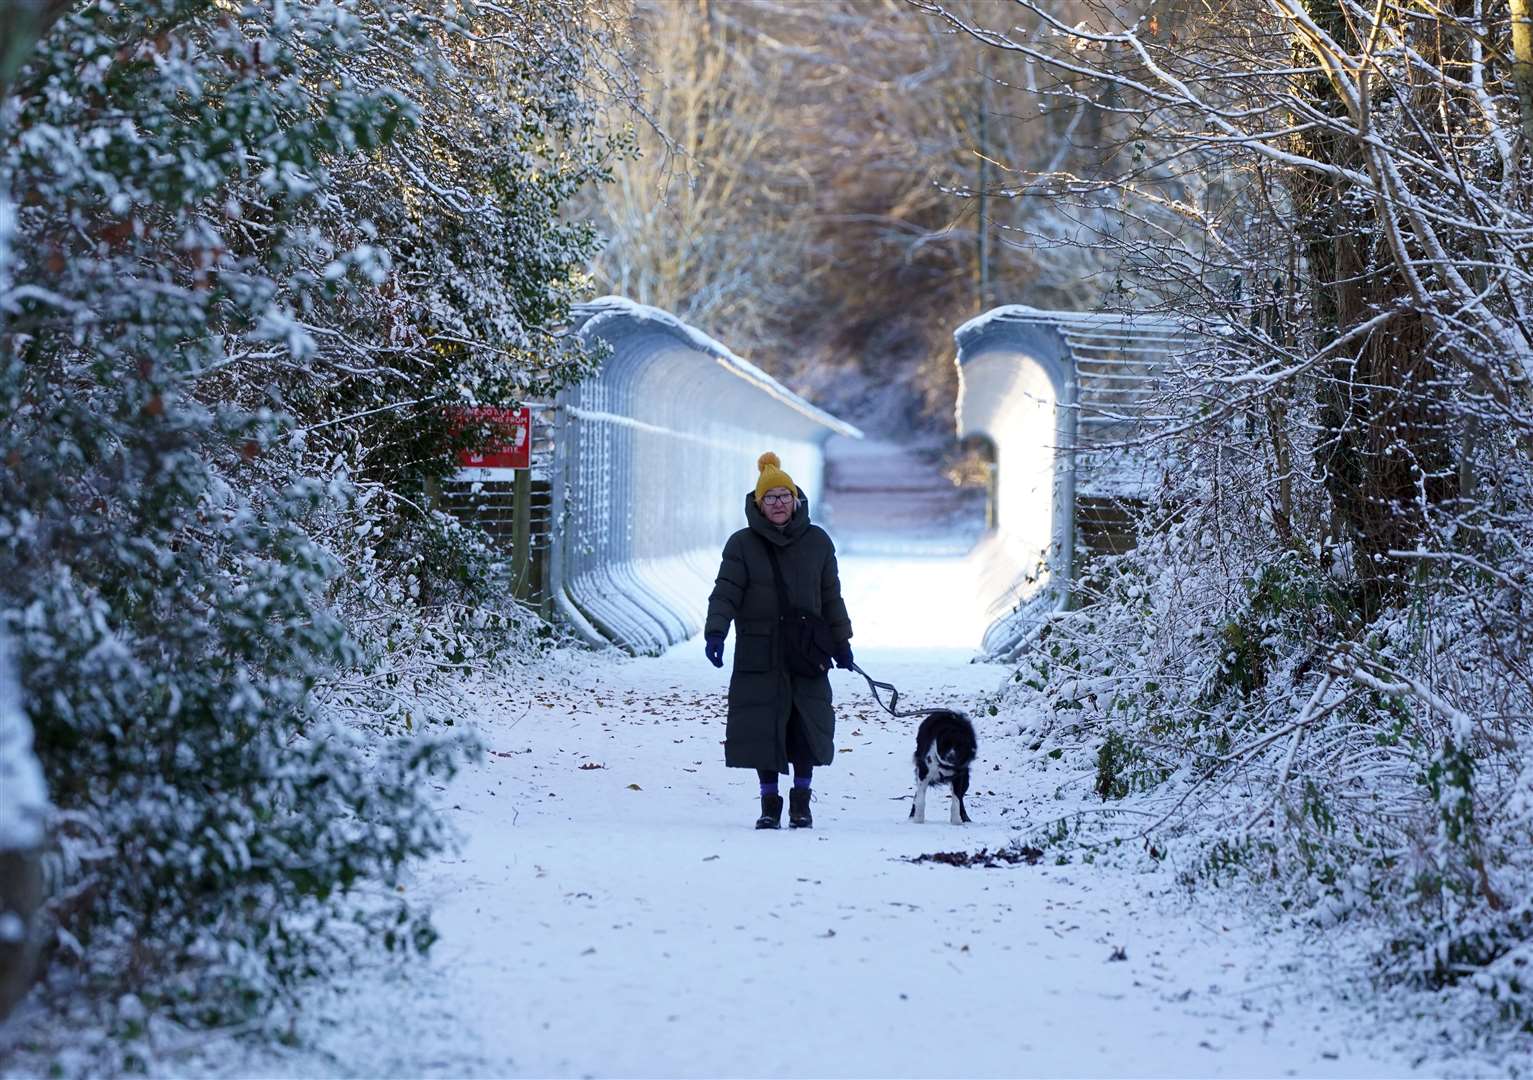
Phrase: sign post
(509,447)
(521,533)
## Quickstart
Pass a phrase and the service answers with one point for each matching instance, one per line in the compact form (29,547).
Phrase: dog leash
(894,696)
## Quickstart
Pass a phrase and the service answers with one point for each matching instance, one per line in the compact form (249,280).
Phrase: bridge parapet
(1067,401)
(652,458)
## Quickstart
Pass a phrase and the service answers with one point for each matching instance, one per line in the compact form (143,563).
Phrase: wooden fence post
(521,534)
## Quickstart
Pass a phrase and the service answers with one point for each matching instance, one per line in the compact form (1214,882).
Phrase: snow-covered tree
(1321,647)
(258,249)
(794,185)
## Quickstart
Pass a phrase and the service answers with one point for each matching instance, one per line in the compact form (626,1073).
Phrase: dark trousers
(801,771)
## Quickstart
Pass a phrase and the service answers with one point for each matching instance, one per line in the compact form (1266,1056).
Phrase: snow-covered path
(613,913)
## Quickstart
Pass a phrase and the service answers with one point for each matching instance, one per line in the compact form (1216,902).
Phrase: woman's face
(777,505)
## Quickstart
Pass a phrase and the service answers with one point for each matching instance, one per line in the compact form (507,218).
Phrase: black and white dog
(945,748)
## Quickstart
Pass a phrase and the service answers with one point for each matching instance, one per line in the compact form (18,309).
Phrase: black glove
(713,649)
(844,655)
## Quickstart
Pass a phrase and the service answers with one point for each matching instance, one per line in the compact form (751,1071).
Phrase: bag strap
(783,610)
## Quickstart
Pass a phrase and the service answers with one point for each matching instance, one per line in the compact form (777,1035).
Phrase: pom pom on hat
(772,476)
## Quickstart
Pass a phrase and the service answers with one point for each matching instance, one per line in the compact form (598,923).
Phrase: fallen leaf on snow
(1000,857)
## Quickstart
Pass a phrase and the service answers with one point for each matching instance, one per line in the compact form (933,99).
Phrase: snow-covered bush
(1314,673)
(259,250)
(1257,715)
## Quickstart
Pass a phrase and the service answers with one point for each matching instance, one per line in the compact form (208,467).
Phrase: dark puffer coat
(762,692)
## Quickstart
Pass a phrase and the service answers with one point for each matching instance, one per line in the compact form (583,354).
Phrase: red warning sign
(510,443)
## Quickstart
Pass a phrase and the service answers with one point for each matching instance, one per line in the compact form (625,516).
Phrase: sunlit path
(884,498)
(918,602)
(613,913)
(903,530)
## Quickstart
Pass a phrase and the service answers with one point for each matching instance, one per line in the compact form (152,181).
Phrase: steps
(888,498)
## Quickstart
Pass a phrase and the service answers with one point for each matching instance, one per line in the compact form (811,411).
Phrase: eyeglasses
(778,499)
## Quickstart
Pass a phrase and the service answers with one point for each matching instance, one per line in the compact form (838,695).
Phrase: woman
(777,718)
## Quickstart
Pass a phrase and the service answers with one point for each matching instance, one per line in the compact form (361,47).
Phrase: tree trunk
(22,25)
(1522,64)
(1384,443)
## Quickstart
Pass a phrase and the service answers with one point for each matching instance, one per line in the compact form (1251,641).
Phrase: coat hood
(758,523)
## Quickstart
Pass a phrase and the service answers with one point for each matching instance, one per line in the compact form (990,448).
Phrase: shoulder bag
(807,643)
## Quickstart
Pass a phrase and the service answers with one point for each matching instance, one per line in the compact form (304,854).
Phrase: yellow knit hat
(772,476)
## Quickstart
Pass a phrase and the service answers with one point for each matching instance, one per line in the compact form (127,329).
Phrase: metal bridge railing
(650,463)
(1062,397)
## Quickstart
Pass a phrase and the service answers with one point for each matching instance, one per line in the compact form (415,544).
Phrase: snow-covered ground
(613,912)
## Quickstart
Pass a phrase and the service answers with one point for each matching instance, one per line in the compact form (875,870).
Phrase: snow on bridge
(650,462)
(640,469)
(1062,397)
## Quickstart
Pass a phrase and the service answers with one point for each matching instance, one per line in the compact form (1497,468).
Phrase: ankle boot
(798,809)
(771,812)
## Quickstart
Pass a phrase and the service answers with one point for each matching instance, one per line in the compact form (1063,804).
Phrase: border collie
(945,748)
